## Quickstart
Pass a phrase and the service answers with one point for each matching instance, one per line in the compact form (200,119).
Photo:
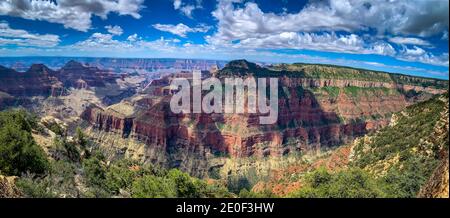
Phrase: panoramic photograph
(224,99)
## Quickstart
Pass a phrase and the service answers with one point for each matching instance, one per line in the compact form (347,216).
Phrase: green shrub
(175,184)
(80,138)
(59,182)
(68,148)
(236,183)
(56,128)
(186,186)
(150,186)
(406,182)
(352,183)
(95,170)
(244,193)
(119,176)
(332,91)
(19,153)
(35,187)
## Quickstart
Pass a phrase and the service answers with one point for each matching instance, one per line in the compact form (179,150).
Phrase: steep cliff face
(75,74)
(37,80)
(313,114)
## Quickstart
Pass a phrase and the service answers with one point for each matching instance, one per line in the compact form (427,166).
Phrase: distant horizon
(253,61)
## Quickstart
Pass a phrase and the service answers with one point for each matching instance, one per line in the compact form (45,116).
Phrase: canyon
(322,110)
(318,109)
(40,85)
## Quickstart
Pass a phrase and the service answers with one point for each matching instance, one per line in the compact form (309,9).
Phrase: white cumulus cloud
(181,29)
(409,41)
(315,27)
(186,8)
(331,42)
(115,30)
(420,55)
(72,14)
(9,36)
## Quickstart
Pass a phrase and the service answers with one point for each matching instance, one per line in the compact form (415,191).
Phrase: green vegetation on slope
(404,154)
(145,181)
(323,71)
(75,171)
(352,91)
(19,153)
(334,72)
(122,178)
(59,181)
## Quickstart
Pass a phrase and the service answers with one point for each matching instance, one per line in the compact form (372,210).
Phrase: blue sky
(408,37)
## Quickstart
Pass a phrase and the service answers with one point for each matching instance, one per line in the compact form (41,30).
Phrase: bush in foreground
(19,153)
(351,183)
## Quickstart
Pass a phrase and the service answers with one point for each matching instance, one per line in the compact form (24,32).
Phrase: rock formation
(41,81)
(437,185)
(37,80)
(8,188)
(316,110)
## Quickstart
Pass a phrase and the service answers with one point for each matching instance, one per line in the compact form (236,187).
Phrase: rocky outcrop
(37,80)
(58,89)
(6,100)
(8,188)
(437,185)
(75,74)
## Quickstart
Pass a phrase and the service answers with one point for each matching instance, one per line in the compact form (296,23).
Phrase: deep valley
(104,131)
